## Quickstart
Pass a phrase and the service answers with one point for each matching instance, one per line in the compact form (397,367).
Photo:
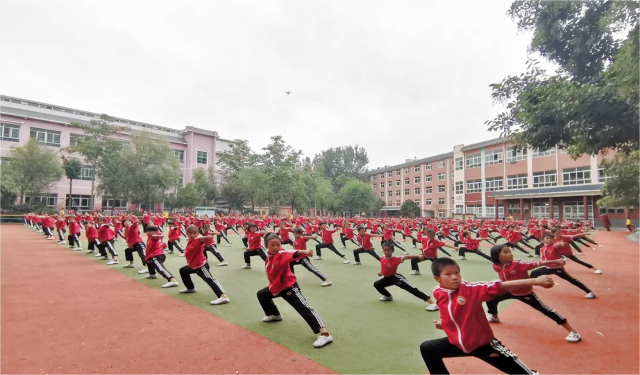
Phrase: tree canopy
(621,188)
(590,104)
(345,162)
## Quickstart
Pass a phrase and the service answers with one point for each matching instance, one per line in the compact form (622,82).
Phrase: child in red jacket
(471,245)
(197,263)
(283,283)
(155,257)
(463,320)
(509,269)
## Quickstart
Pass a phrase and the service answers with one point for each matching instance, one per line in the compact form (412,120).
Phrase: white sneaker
(170,284)
(356,263)
(344,247)
(462,258)
(414,273)
(130,265)
(317,258)
(432,307)
(346,262)
(272,318)
(188,290)
(322,341)
(413,247)
(151,277)
(573,337)
(492,318)
(598,272)
(144,270)
(113,262)
(60,242)
(223,263)
(97,255)
(181,255)
(385,298)
(590,296)
(406,253)
(599,245)
(326,283)
(246,267)
(529,255)
(170,252)
(227,245)
(89,251)
(220,301)
(104,258)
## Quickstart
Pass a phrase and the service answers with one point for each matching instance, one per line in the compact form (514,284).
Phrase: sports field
(64,311)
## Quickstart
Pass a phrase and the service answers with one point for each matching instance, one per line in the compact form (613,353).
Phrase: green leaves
(72,168)
(622,187)
(410,208)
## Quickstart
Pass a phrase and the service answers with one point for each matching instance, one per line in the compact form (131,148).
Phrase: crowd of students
(462,317)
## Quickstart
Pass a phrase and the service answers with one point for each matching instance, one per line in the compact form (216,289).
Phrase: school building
(493,179)
(22,119)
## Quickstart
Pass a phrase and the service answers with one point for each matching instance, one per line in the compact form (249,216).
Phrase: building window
(427,178)
(87,173)
(440,188)
(427,167)
(474,186)
(374,186)
(514,154)
(602,177)
(440,200)
(42,200)
(428,190)
(459,188)
(46,137)
(417,202)
(416,168)
(493,157)
(416,180)
(441,164)
(490,211)
(474,209)
(416,191)
(73,139)
(201,157)
(459,209)
(179,154)
(493,184)
(398,172)
(397,182)
(406,170)
(382,176)
(389,184)
(612,210)
(575,210)
(382,194)
(79,201)
(513,208)
(375,176)
(539,154)
(398,193)
(547,178)
(114,203)
(9,132)
(427,202)
(398,203)
(517,181)
(441,214)
(389,174)
(406,191)
(390,193)
(406,181)
(440,176)
(576,176)
(473,161)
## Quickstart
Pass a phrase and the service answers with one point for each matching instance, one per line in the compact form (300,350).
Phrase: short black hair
(252,225)
(495,253)
(547,235)
(361,227)
(556,230)
(440,263)
(389,244)
(151,228)
(298,231)
(271,236)
(321,223)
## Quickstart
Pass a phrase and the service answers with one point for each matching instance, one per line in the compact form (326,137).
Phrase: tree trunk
(70,190)
(92,205)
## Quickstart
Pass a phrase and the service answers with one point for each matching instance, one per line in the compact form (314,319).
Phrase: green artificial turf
(370,336)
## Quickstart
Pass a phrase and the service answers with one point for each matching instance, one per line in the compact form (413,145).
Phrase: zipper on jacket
(456,324)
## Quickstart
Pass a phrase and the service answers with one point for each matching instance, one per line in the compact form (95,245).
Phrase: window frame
(473,186)
(491,184)
(521,182)
(514,154)
(11,128)
(199,157)
(577,171)
(493,157)
(46,133)
(473,161)
(550,178)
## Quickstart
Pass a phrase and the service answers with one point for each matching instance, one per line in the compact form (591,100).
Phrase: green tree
(187,196)
(357,196)
(33,168)
(8,189)
(622,188)
(99,140)
(590,104)
(251,184)
(113,182)
(205,181)
(346,161)
(409,208)
(72,169)
(238,156)
(279,163)
(152,168)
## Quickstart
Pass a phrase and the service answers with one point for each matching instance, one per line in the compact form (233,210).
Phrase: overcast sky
(403,79)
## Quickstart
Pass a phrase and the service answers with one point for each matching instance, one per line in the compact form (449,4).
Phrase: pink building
(50,124)
(493,179)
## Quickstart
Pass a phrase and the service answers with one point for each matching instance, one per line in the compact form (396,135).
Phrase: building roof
(555,191)
(447,155)
(489,142)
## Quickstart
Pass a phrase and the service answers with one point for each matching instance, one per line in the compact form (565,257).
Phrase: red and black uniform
(471,245)
(327,242)
(174,238)
(134,243)
(429,252)
(209,245)
(197,263)
(283,283)
(388,269)
(300,243)
(366,248)
(283,232)
(60,228)
(254,240)
(92,237)
(74,233)
(155,255)
(551,252)
(519,270)
(106,236)
(468,331)
(222,232)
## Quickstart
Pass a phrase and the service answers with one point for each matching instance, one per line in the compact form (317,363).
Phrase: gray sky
(403,79)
